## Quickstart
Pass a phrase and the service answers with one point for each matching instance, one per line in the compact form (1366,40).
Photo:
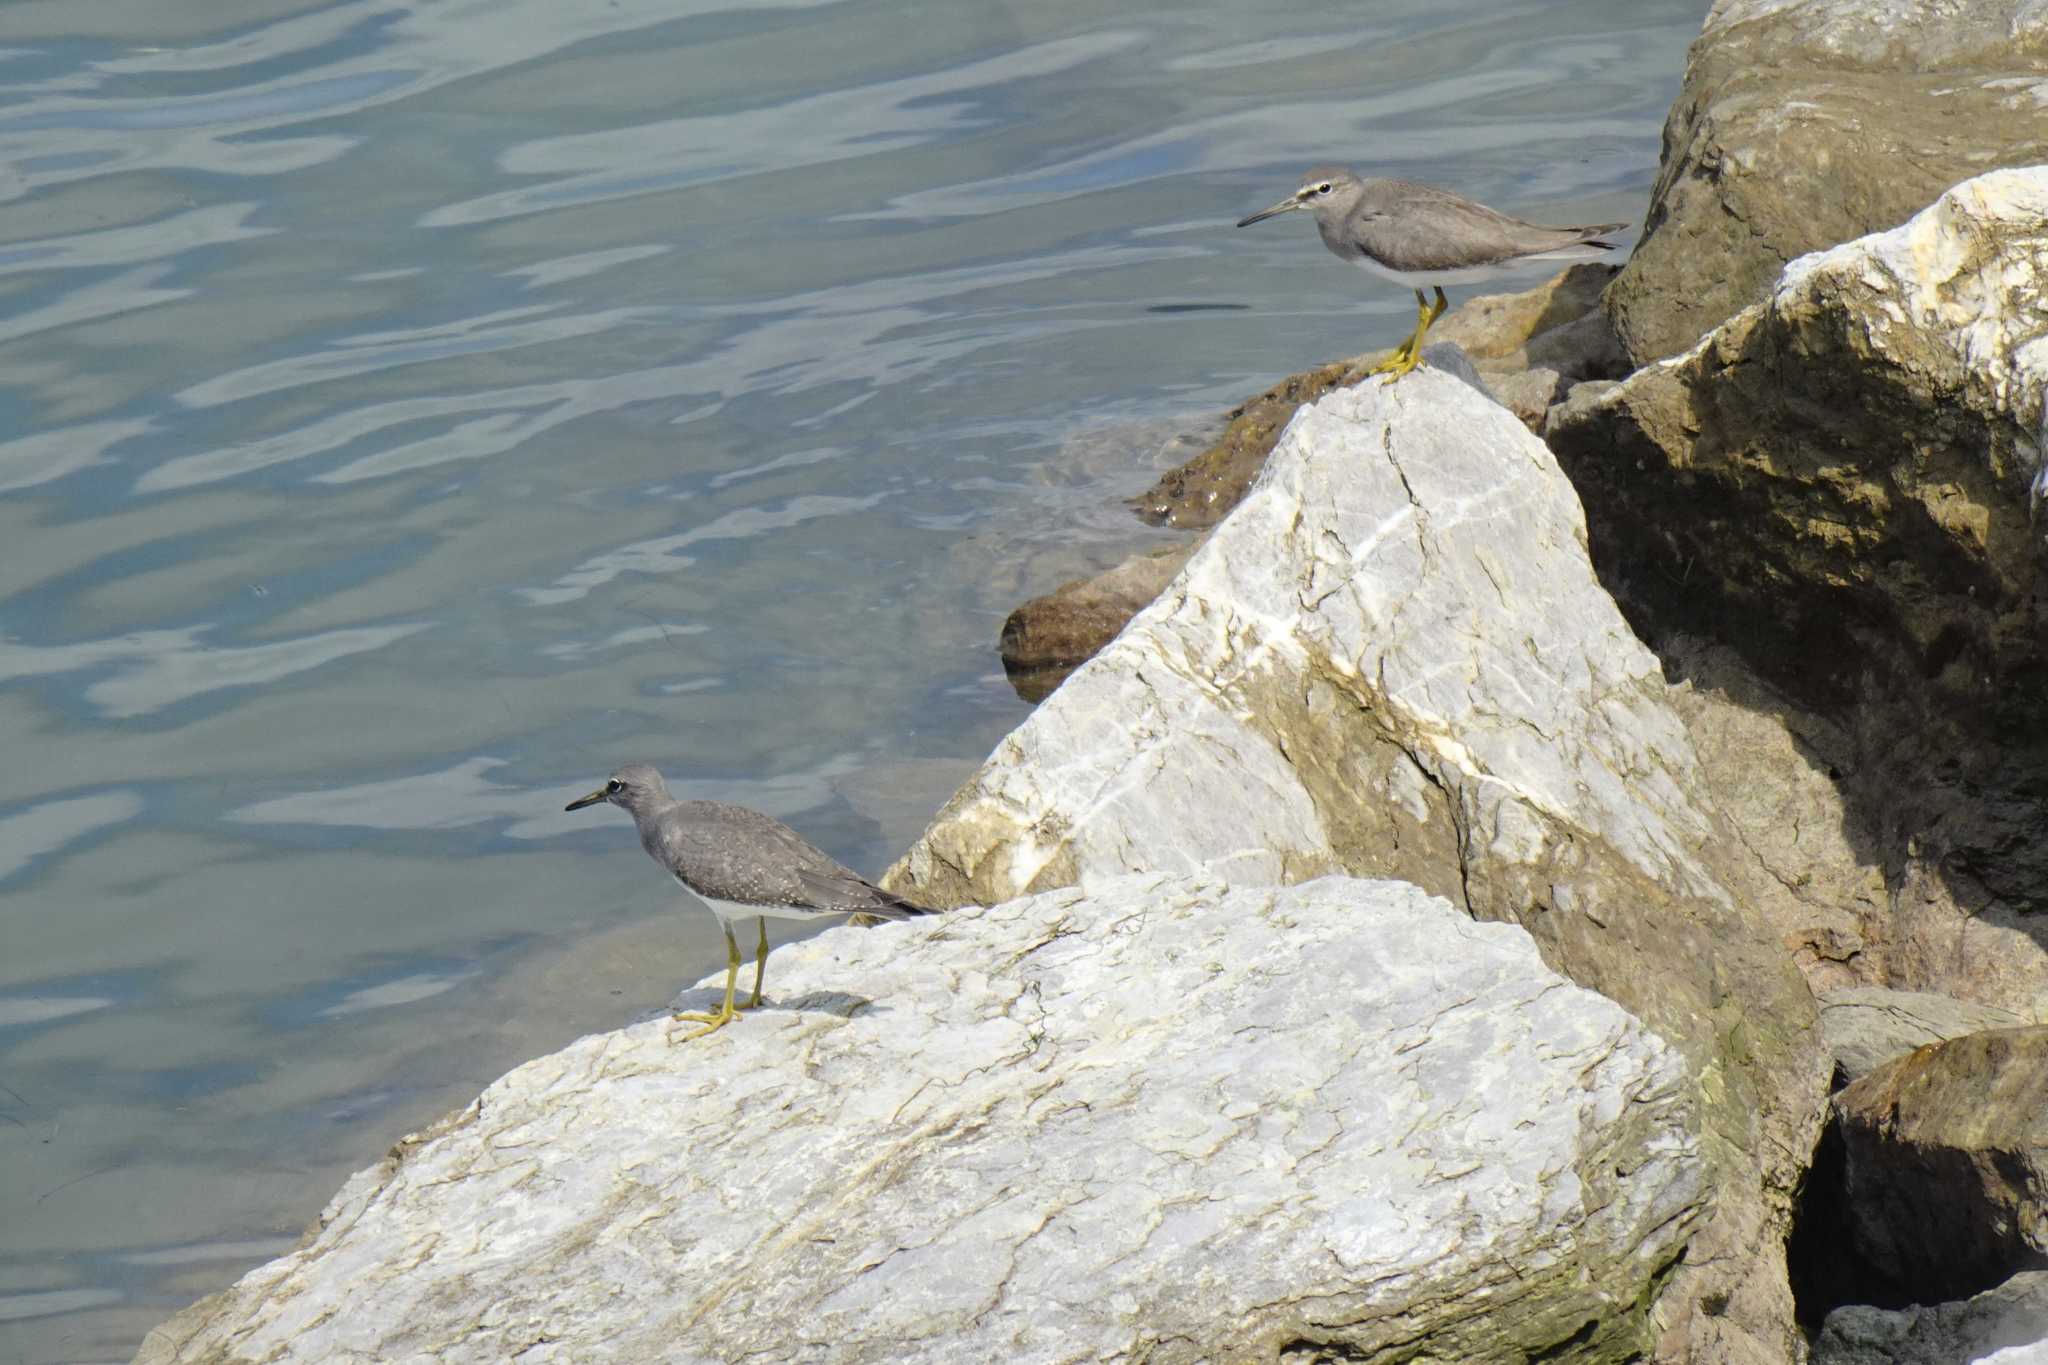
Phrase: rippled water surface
(412,411)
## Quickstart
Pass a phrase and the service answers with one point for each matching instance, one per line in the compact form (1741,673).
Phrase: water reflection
(409,989)
(153,669)
(675,153)
(16,1011)
(43,829)
(664,554)
(465,795)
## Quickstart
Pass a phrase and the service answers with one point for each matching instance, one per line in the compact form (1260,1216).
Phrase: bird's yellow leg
(725,1013)
(1408,354)
(760,962)
(1411,356)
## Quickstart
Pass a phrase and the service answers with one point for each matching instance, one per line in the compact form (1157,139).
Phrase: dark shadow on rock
(1862,541)
(2014,1314)
(707,999)
(1820,1255)
(845,1004)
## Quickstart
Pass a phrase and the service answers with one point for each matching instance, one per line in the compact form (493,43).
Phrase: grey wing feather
(1406,226)
(845,890)
(736,854)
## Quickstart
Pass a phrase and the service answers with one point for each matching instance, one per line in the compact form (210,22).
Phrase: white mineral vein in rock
(1415,538)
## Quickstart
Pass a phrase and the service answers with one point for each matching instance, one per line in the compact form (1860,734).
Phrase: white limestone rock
(1411,541)
(1393,660)
(1162,1121)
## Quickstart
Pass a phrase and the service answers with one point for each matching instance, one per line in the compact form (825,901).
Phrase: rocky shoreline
(1549,878)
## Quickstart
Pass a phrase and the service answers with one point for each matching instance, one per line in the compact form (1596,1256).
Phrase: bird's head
(635,787)
(1326,191)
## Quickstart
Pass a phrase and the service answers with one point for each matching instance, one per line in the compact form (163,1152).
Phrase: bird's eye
(1323,188)
(614,785)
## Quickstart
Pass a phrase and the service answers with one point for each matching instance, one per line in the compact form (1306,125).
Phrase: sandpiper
(1421,235)
(740,862)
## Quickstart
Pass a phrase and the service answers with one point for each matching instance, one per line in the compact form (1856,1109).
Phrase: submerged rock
(1842,483)
(1049,636)
(1163,1121)
(1804,123)
(1393,660)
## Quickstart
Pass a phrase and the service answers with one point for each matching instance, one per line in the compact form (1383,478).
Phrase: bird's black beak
(580,802)
(1287,205)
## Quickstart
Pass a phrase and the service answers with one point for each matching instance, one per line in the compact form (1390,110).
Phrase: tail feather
(1591,236)
(891,906)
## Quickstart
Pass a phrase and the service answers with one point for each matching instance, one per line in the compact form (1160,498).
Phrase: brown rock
(1533,377)
(1805,124)
(1945,1164)
(1499,332)
(1808,862)
(1528,394)
(1049,637)
(1201,492)
(1586,348)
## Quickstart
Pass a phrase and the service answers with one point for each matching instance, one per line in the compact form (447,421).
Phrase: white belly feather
(734,912)
(1423,279)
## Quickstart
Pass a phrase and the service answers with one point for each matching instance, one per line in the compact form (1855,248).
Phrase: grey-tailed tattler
(1420,235)
(740,862)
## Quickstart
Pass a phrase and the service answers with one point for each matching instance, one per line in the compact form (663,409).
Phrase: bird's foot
(1402,359)
(1397,371)
(1397,365)
(713,1021)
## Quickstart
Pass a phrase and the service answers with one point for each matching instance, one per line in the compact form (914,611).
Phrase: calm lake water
(412,411)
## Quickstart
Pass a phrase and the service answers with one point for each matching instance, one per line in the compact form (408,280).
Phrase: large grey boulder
(1867,1026)
(1804,123)
(1843,483)
(1393,660)
(1164,1121)
(2007,1325)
